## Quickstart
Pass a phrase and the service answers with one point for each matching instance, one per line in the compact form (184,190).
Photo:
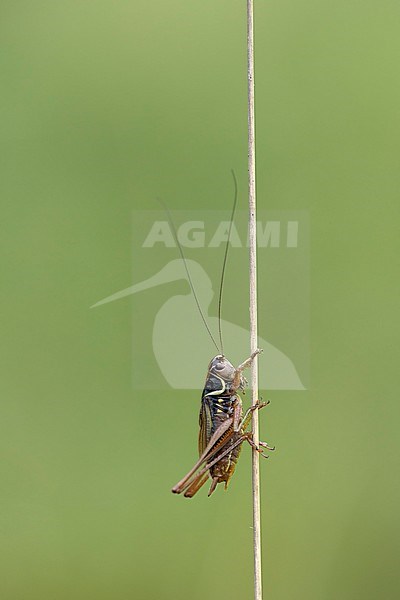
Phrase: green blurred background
(105,106)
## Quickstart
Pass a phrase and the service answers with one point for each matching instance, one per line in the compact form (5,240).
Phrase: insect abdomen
(224,469)
(223,407)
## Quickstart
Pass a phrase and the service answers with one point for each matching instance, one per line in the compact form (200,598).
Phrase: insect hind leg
(249,438)
(196,484)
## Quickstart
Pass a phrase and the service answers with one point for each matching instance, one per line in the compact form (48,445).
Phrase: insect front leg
(248,361)
(237,381)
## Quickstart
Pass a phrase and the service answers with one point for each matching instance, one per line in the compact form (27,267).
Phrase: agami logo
(192,234)
(180,346)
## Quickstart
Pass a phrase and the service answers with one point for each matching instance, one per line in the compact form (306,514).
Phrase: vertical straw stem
(253,301)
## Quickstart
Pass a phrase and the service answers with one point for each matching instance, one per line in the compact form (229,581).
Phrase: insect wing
(205,422)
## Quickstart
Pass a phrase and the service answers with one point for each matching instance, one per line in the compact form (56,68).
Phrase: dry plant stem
(253,302)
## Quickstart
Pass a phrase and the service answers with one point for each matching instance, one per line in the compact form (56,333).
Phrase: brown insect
(222,423)
(222,427)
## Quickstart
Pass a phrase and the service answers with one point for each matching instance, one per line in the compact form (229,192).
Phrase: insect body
(222,424)
(220,402)
(222,427)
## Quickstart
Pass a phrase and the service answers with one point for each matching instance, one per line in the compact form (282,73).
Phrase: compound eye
(220,366)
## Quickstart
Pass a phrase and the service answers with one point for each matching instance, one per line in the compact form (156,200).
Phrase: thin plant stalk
(253,301)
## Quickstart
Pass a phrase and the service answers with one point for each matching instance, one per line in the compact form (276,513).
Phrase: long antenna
(187,272)
(225,259)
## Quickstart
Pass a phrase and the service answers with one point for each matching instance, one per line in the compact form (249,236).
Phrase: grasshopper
(222,427)
(222,423)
